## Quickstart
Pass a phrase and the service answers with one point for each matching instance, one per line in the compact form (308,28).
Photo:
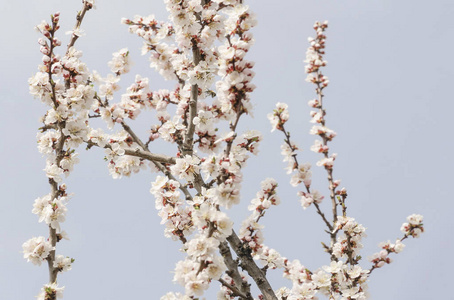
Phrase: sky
(390,101)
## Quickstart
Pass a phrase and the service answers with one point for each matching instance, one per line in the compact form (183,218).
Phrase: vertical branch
(188,142)
(325,140)
(314,58)
(59,126)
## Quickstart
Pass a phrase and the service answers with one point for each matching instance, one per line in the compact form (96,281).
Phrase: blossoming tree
(203,49)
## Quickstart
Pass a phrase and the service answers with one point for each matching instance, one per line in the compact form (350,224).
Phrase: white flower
(204,121)
(327,162)
(47,141)
(120,62)
(158,184)
(201,246)
(334,267)
(227,195)
(55,213)
(202,75)
(306,199)
(317,196)
(216,268)
(283,293)
(303,174)
(51,291)
(53,171)
(76,129)
(36,250)
(170,129)
(355,271)
(271,258)
(196,285)
(321,279)
(98,137)
(115,150)
(415,219)
(62,263)
(68,162)
(222,222)
(319,147)
(76,31)
(399,246)
(186,168)
(306,290)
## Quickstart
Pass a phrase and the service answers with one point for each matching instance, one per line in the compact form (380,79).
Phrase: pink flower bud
(44,50)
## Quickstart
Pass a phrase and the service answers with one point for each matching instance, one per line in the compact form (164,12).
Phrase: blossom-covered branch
(62,84)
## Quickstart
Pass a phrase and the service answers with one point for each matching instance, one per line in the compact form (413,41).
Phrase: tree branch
(79,18)
(250,266)
(233,272)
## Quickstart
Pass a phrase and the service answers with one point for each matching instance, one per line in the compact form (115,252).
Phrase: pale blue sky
(390,101)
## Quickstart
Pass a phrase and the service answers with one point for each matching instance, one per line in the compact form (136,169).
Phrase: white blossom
(36,250)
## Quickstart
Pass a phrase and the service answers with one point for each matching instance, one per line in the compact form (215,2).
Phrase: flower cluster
(348,244)
(381,258)
(120,164)
(303,287)
(51,291)
(307,199)
(51,211)
(414,227)
(337,281)
(186,168)
(233,91)
(208,218)
(250,231)
(279,116)
(170,205)
(201,266)
(314,56)
(120,62)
